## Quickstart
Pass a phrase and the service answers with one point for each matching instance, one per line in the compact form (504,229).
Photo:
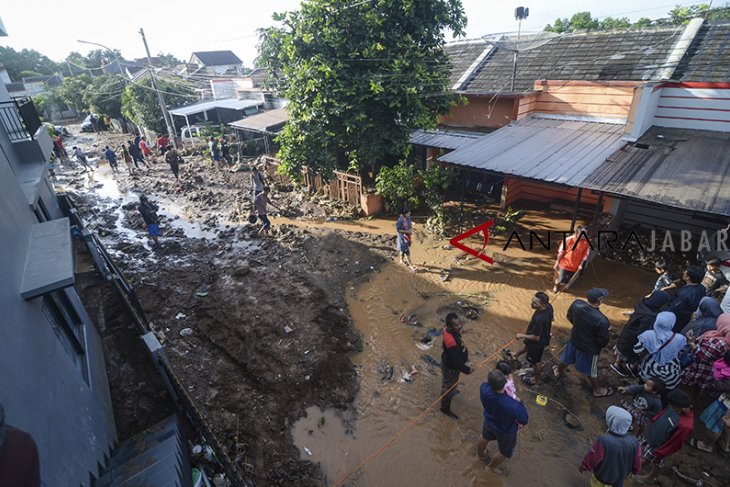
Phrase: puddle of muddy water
(438,450)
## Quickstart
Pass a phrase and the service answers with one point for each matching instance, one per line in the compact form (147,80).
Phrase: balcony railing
(20,119)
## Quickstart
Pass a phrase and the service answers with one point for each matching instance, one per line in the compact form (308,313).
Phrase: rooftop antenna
(521,13)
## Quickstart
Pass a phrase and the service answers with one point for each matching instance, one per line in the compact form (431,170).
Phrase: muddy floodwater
(395,308)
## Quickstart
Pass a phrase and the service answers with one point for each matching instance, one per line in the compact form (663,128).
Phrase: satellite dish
(519,41)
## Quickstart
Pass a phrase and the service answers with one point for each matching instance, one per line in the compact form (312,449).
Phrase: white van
(191,136)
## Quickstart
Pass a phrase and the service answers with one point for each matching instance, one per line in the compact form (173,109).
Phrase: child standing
(615,454)
(665,436)
(646,402)
(664,282)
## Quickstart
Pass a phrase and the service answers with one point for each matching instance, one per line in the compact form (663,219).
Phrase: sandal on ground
(555,372)
(610,391)
(695,443)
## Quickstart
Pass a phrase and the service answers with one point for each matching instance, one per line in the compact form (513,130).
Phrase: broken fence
(110,272)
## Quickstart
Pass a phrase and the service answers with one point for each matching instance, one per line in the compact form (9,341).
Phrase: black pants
(449,377)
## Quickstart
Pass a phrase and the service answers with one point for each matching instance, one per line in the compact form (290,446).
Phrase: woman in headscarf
(706,350)
(708,312)
(641,319)
(660,349)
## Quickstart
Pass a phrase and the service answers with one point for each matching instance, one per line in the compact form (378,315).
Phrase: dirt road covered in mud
(319,319)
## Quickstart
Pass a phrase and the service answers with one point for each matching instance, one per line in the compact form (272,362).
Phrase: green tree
(359,76)
(611,23)
(48,102)
(169,59)
(140,104)
(104,95)
(71,92)
(579,21)
(436,180)
(26,60)
(396,185)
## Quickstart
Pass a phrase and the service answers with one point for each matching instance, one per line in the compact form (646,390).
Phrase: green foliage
(507,219)
(677,16)
(28,74)
(140,104)
(90,64)
(47,103)
(71,92)
(359,76)
(103,95)
(26,60)
(169,59)
(436,180)
(396,185)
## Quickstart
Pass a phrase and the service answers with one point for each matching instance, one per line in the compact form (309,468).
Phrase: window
(66,323)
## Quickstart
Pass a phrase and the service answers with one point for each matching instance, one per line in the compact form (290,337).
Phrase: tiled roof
(627,55)
(708,58)
(217,58)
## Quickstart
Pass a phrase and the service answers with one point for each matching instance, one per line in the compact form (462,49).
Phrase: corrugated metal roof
(685,168)
(268,121)
(217,58)
(230,104)
(544,148)
(442,140)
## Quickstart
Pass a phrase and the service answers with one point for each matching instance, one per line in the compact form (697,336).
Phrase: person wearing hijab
(660,348)
(706,350)
(706,320)
(642,319)
(615,454)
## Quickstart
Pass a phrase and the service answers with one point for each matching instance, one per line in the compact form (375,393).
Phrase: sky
(182,27)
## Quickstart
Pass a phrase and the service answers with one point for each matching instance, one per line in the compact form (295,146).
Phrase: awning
(682,168)
(268,121)
(442,139)
(558,150)
(204,106)
(48,261)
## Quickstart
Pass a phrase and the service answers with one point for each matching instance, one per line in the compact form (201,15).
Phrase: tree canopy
(359,76)
(28,60)
(677,16)
(140,104)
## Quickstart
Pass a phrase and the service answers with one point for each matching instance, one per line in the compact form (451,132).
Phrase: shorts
(712,417)
(506,442)
(597,483)
(585,363)
(564,276)
(647,453)
(403,247)
(217,158)
(534,354)
(265,220)
(153,229)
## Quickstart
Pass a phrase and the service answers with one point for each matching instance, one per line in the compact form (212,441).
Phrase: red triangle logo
(484,228)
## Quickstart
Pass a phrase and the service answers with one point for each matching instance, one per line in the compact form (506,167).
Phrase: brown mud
(276,326)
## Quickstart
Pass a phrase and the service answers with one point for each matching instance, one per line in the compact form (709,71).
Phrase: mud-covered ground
(265,332)
(259,331)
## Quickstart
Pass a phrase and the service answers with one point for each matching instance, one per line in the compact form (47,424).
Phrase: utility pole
(521,13)
(160,98)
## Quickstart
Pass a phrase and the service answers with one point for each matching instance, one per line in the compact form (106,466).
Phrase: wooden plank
(588,99)
(582,107)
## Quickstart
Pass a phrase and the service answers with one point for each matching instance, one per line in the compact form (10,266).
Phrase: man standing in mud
(537,336)
(572,257)
(259,204)
(173,159)
(587,338)
(81,157)
(149,214)
(453,362)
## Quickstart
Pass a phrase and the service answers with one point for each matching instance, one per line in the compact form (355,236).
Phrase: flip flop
(555,372)
(694,443)
(610,391)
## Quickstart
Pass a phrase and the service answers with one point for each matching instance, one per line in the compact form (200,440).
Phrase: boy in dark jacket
(453,362)
(667,433)
(615,454)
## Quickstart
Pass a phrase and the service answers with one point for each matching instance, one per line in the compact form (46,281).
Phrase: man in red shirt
(572,256)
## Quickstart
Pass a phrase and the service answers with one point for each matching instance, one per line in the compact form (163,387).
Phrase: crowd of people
(672,354)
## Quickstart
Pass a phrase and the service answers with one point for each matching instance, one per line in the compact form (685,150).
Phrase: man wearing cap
(587,338)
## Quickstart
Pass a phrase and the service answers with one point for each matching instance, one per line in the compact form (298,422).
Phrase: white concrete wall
(697,106)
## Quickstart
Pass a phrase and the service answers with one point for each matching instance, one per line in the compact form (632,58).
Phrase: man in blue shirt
(502,417)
